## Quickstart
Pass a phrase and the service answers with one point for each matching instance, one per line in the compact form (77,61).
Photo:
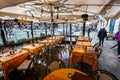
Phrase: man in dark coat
(101,35)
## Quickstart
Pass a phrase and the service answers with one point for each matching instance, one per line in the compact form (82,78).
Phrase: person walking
(101,35)
(117,35)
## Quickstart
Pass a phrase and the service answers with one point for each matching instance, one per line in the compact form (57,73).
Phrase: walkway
(108,59)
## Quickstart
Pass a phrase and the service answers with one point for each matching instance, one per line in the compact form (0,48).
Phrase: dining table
(83,39)
(12,60)
(67,74)
(87,44)
(33,48)
(80,53)
(48,42)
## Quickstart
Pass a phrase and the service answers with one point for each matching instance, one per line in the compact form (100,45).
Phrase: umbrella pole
(84,24)
(52,31)
(66,36)
(70,34)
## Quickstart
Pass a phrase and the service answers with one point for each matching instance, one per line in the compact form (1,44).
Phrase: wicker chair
(70,48)
(103,75)
(96,47)
(84,67)
(5,50)
(42,52)
(27,64)
(99,53)
(1,66)
(55,64)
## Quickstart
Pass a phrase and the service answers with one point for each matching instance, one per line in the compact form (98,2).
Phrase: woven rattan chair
(103,75)
(42,53)
(99,53)
(5,50)
(96,47)
(84,67)
(1,66)
(27,64)
(56,64)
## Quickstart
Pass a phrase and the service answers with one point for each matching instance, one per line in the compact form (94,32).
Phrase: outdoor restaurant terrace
(58,40)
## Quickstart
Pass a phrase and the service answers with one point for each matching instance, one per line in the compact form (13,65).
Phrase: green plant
(22,40)
(11,43)
(49,35)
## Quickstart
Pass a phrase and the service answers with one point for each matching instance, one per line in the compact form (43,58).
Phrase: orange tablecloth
(90,59)
(62,74)
(83,39)
(62,37)
(76,55)
(80,55)
(55,39)
(33,49)
(78,50)
(90,50)
(88,44)
(12,61)
(48,42)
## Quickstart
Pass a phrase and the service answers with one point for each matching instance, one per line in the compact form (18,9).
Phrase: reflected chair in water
(103,75)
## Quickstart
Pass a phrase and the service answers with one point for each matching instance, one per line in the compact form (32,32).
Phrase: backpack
(118,38)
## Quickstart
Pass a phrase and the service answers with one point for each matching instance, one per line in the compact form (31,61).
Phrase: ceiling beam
(43,18)
(92,4)
(13,15)
(8,3)
(112,2)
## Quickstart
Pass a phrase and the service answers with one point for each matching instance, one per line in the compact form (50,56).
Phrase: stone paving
(108,59)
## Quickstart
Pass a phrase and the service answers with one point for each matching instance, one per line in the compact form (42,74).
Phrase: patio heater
(66,32)
(52,2)
(85,18)
(70,34)
(51,11)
